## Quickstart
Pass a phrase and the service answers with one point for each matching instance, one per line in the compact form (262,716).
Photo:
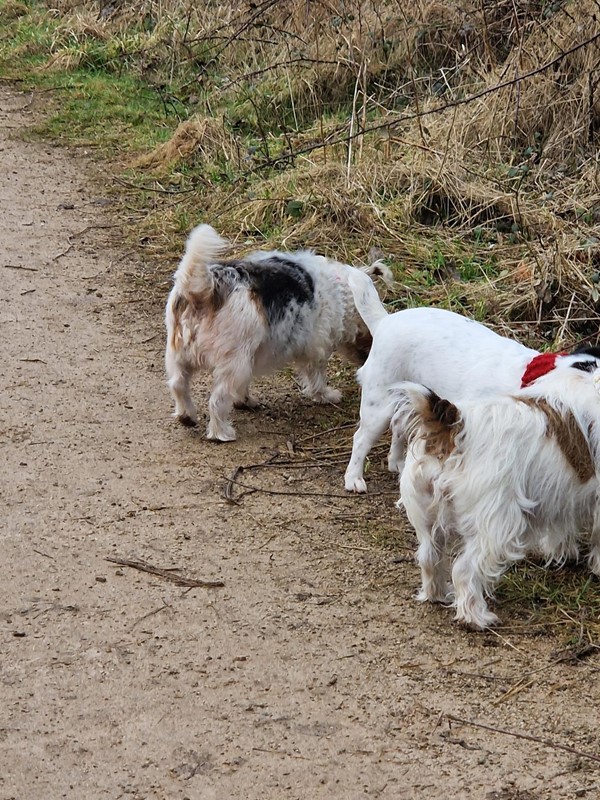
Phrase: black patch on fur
(585,366)
(187,421)
(443,410)
(586,351)
(277,282)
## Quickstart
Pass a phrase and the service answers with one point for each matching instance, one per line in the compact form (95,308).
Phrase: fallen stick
(168,575)
(348,496)
(529,737)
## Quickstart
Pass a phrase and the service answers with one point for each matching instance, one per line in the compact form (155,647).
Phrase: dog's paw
(249,404)
(356,485)
(220,433)
(594,560)
(434,594)
(189,422)
(332,396)
(477,620)
(328,395)
(395,464)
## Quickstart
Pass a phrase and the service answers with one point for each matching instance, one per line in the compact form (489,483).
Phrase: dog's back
(455,356)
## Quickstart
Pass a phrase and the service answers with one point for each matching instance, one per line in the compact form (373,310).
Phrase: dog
(250,316)
(488,481)
(456,357)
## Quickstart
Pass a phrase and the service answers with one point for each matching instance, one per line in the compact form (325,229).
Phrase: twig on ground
(152,613)
(529,737)
(229,487)
(129,185)
(148,339)
(19,266)
(41,553)
(96,227)
(62,253)
(168,575)
(348,496)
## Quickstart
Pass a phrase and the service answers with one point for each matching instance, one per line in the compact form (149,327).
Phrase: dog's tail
(422,414)
(366,299)
(202,248)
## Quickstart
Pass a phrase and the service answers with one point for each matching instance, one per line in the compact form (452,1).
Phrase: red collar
(538,366)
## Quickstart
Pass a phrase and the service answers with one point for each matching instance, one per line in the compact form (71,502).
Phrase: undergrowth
(459,139)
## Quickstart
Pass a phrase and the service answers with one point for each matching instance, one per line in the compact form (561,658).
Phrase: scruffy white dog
(488,481)
(456,357)
(250,316)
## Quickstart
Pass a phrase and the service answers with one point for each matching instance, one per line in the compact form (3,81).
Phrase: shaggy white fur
(488,481)
(456,357)
(245,317)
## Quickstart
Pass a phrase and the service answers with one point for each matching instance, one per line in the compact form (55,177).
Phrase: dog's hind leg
(313,379)
(245,400)
(424,513)
(230,384)
(470,576)
(397,454)
(375,417)
(179,377)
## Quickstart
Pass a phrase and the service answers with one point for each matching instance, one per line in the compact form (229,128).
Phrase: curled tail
(366,299)
(202,248)
(422,414)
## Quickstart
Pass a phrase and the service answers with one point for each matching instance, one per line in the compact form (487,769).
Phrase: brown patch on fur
(179,306)
(208,301)
(256,299)
(442,422)
(358,350)
(202,304)
(569,437)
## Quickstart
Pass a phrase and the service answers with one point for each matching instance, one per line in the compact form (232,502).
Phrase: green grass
(562,600)
(111,113)
(90,105)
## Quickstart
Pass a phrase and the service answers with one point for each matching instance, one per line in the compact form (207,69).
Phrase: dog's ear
(440,423)
(443,411)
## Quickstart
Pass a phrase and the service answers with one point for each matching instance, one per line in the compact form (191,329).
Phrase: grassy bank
(460,139)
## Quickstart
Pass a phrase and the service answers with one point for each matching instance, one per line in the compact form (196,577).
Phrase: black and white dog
(245,317)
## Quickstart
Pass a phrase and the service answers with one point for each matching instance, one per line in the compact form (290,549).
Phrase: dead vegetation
(459,138)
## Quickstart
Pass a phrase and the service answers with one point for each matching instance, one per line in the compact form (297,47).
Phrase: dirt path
(312,673)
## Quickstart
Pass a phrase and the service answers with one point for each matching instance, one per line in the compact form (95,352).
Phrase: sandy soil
(311,673)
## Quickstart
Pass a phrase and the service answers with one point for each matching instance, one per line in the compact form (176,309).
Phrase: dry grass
(343,126)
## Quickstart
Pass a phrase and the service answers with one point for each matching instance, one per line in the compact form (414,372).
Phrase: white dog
(488,481)
(456,357)
(250,316)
